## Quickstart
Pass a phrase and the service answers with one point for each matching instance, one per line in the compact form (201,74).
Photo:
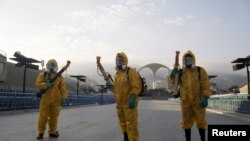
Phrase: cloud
(151,8)
(103,17)
(179,20)
(114,15)
(131,2)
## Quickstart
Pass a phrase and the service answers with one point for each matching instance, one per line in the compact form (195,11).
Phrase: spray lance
(107,76)
(41,92)
(176,79)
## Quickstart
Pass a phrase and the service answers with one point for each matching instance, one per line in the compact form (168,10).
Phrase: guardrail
(157,94)
(18,100)
(230,102)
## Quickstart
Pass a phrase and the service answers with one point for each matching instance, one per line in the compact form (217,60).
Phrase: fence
(157,94)
(237,103)
(19,100)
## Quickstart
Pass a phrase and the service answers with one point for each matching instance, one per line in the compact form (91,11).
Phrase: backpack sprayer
(41,92)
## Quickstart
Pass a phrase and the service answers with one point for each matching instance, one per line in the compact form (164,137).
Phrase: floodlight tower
(240,64)
(26,62)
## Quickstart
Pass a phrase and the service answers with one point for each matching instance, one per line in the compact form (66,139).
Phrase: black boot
(202,134)
(125,136)
(40,136)
(188,134)
(54,135)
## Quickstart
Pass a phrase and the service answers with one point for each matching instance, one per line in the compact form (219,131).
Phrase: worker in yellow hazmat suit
(194,93)
(51,100)
(126,88)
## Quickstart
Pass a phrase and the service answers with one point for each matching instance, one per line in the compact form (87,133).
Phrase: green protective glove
(49,84)
(204,101)
(62,101)
(109,86)
(174,72)
(132,101)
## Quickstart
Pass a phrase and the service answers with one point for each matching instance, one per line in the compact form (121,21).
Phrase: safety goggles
(119,61)
(52,66)
(188,60)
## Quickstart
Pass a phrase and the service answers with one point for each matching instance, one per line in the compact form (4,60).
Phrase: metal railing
(19,100)
(232,102)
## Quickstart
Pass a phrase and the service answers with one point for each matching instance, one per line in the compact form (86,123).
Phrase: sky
(148,31)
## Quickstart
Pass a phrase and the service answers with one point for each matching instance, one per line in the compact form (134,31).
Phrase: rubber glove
(49,84)
(132,101)
(62,101)
(109,86)
(177,95)
(204,101)
(174,72)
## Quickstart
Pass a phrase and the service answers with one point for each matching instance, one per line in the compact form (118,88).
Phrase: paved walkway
(158,121)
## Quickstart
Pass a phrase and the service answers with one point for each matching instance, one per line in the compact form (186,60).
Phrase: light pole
(102,88)
(240,64)
(26,62)
(81,78)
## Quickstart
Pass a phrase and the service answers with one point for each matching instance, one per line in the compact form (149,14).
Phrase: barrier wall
(230,102)
(157,94)
(18,100)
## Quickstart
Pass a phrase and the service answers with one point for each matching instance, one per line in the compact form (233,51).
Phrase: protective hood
(188,53)
(124,56)
(52,61)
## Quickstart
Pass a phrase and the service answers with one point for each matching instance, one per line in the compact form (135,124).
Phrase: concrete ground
(158,121)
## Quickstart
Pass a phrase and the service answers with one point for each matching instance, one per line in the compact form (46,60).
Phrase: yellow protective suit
(50,101)
(192,88)
(124,85)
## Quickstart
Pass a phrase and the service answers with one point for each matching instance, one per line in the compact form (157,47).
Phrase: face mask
(188,61)
(119,63)
(52,67)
